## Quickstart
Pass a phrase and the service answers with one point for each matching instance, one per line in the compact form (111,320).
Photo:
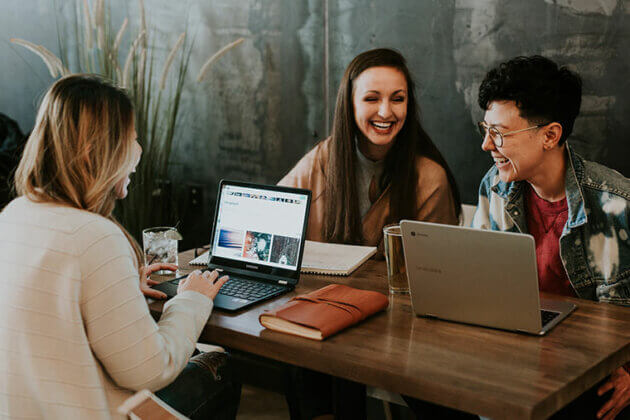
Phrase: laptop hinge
(283,282)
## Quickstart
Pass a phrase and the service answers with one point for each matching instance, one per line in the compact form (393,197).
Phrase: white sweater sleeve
(136,352)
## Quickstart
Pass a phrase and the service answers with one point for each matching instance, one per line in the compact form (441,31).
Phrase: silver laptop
(477,277)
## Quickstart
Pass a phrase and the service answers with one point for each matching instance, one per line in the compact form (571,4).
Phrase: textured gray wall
(269,101)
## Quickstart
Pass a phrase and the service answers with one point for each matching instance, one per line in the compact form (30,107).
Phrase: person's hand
(146,282)
(619,382)
(207,283)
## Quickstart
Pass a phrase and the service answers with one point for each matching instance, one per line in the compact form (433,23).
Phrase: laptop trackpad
(229,302)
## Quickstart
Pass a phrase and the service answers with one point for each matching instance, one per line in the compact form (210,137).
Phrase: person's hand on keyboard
(207,283)
(146,282)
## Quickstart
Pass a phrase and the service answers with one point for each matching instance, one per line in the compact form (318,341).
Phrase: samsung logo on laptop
(429,269)
(251,267)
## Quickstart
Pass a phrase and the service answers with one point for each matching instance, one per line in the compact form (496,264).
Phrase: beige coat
(76,335)
(434,199)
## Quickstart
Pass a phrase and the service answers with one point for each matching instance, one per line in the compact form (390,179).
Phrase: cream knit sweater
(76,336)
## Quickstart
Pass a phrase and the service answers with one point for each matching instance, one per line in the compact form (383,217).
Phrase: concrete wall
(269,101)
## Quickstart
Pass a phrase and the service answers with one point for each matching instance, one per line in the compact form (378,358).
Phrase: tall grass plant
(98,48)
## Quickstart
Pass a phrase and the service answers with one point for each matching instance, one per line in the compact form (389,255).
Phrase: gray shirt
(366,171)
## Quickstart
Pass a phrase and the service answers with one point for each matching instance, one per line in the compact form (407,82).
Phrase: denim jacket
(594,245)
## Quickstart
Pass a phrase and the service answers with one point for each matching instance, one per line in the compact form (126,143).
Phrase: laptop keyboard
(246,289)
(249,289)
(548,316)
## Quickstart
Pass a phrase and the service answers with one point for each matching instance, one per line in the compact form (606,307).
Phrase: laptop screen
(260,226)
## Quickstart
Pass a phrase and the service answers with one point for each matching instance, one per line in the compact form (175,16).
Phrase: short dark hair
(543,92)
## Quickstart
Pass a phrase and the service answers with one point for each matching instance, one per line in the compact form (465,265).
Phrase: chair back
(466,216)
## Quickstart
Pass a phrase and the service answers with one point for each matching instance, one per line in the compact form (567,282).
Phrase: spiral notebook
(323,258)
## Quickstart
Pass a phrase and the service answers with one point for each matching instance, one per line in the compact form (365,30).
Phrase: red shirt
(545,222)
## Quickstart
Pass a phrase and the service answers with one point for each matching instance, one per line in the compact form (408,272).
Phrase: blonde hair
(80,148)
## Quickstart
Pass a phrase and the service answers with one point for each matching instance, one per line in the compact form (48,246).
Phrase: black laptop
(258,240)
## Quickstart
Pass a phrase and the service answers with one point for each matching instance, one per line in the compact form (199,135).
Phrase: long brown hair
(343,221)
(81,147)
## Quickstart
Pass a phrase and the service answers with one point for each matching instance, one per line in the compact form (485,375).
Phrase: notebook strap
(352,310)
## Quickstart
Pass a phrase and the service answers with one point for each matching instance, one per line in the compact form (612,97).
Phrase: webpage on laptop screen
(260,226)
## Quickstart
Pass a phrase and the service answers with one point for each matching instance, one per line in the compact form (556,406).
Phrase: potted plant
(156,99)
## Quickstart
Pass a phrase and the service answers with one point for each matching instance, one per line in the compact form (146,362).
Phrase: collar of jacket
(511,191)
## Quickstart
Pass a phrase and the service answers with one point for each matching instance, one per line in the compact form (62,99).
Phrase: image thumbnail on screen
(257,246)
(230,242)
(229,238)
(285,250)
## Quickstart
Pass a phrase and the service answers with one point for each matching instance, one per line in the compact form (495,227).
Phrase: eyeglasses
(496,136)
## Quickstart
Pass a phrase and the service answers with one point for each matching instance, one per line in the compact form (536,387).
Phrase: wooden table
(493,373)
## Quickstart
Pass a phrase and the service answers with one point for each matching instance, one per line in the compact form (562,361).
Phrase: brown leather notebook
(324,312)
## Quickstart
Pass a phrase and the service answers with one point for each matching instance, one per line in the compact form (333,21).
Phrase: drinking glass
(396,271)
(160,246)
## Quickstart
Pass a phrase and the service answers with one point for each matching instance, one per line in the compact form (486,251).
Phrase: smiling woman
(379,165)
(380,109)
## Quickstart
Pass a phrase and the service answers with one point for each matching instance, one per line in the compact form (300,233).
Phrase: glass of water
(160,246)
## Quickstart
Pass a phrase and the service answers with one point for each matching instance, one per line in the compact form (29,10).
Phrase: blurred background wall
(268,101)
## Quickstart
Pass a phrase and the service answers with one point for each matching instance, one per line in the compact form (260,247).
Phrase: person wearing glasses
(577,211)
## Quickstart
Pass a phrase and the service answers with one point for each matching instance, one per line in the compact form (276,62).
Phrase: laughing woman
(379,165)
(76,335)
